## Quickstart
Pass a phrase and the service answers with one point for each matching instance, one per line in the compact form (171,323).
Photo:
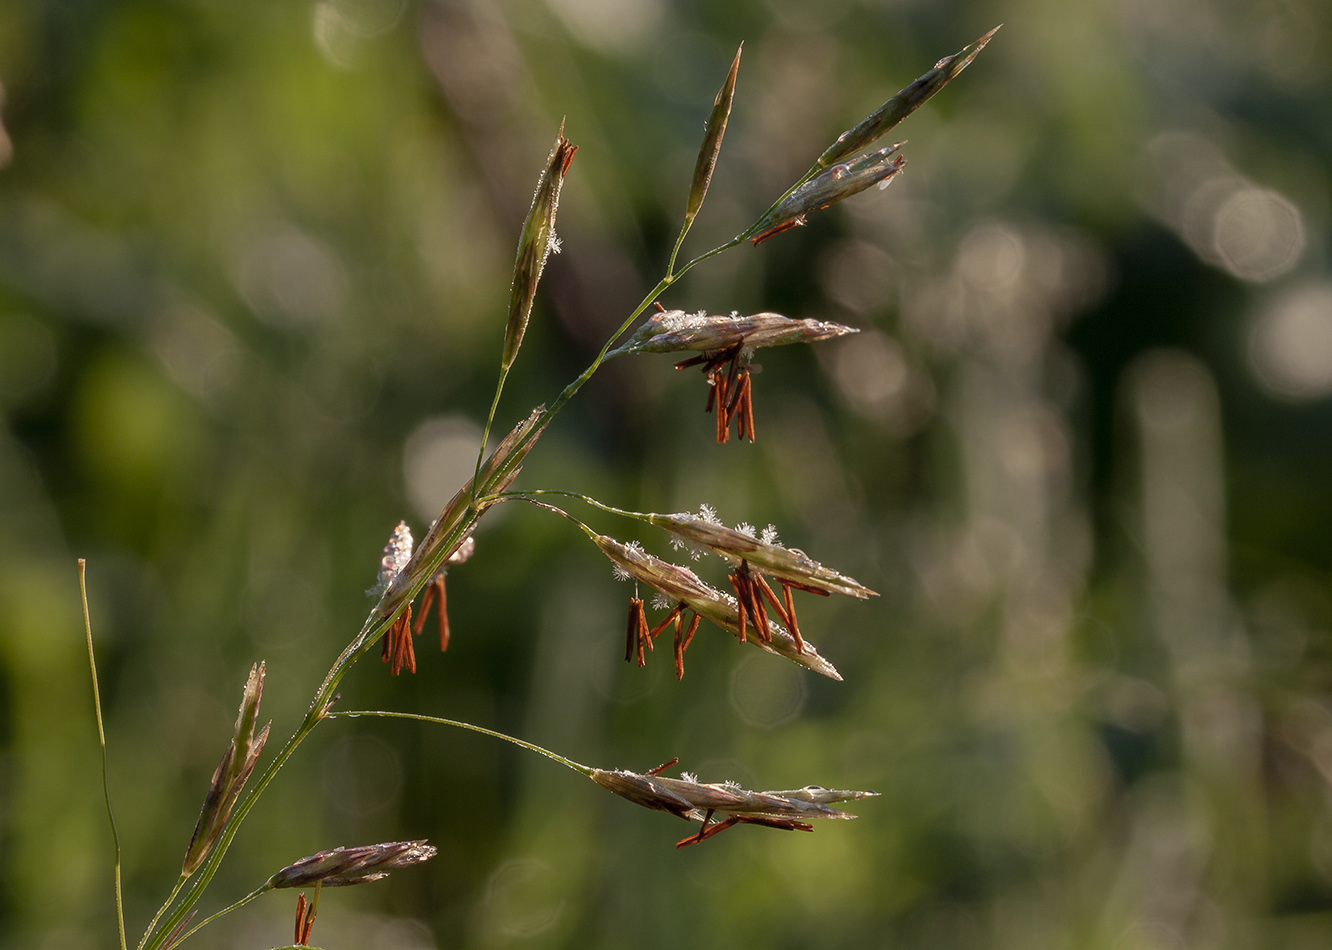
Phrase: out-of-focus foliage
(254,264)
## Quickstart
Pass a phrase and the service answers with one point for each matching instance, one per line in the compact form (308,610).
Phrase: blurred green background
(254,263)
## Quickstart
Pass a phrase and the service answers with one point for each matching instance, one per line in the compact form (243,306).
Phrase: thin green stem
(166,905)
(531,494)
(738,239)
(490,420)
(458,724)
(101,739)
(261,889)
(684,230)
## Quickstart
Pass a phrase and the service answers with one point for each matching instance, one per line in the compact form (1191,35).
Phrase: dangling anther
(782,613)
(673,615)
(708,831)
(397,649)
(636,632)
(720,389)
(663,767)
(683,644)
(702,832)
(745,427)
(305,918)
(791,617)
(750,601)
(738,585)
(435,594)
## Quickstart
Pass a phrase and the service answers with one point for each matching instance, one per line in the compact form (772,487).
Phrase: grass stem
(101,739)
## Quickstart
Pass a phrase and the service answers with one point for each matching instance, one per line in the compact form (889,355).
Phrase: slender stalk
(684,230)
(470,727)
(261,889)
(101,739)
(530,494)
(166,905)
(490,420)
(738,239)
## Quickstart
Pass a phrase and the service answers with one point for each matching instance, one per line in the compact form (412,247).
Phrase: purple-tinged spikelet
(343,867)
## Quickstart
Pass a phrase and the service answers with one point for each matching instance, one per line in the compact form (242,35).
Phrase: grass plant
(723,346)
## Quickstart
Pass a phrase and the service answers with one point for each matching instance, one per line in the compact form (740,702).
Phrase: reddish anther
(305,918)
(719,387)
(795,222)
(786,824)
(746,429)
(435,594)
(749,602)
(791,615)
(737,585)
(397,649)
(663,767)
(783,613)
(682,644)
(673,615)
(730,390)
(636,632)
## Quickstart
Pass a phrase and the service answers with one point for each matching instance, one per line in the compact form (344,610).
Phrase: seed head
(536,243)
(762,553)
(681,585)
(712,141)
(231,774)
(343,867)
(884,118)
(726,345)
(728,802)
(673,331)
(831,186)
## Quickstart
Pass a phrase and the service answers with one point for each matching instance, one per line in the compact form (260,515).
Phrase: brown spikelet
(729,803)
(344,867)
(712,140)
(535,243)
(883,119)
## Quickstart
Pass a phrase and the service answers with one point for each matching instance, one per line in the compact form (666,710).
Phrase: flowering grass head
(725,346)
(719,806)
(343,867)
(838,182)
(680,585)
(536,243)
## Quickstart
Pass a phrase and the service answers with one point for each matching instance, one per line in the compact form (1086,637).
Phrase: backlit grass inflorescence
(723,346)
